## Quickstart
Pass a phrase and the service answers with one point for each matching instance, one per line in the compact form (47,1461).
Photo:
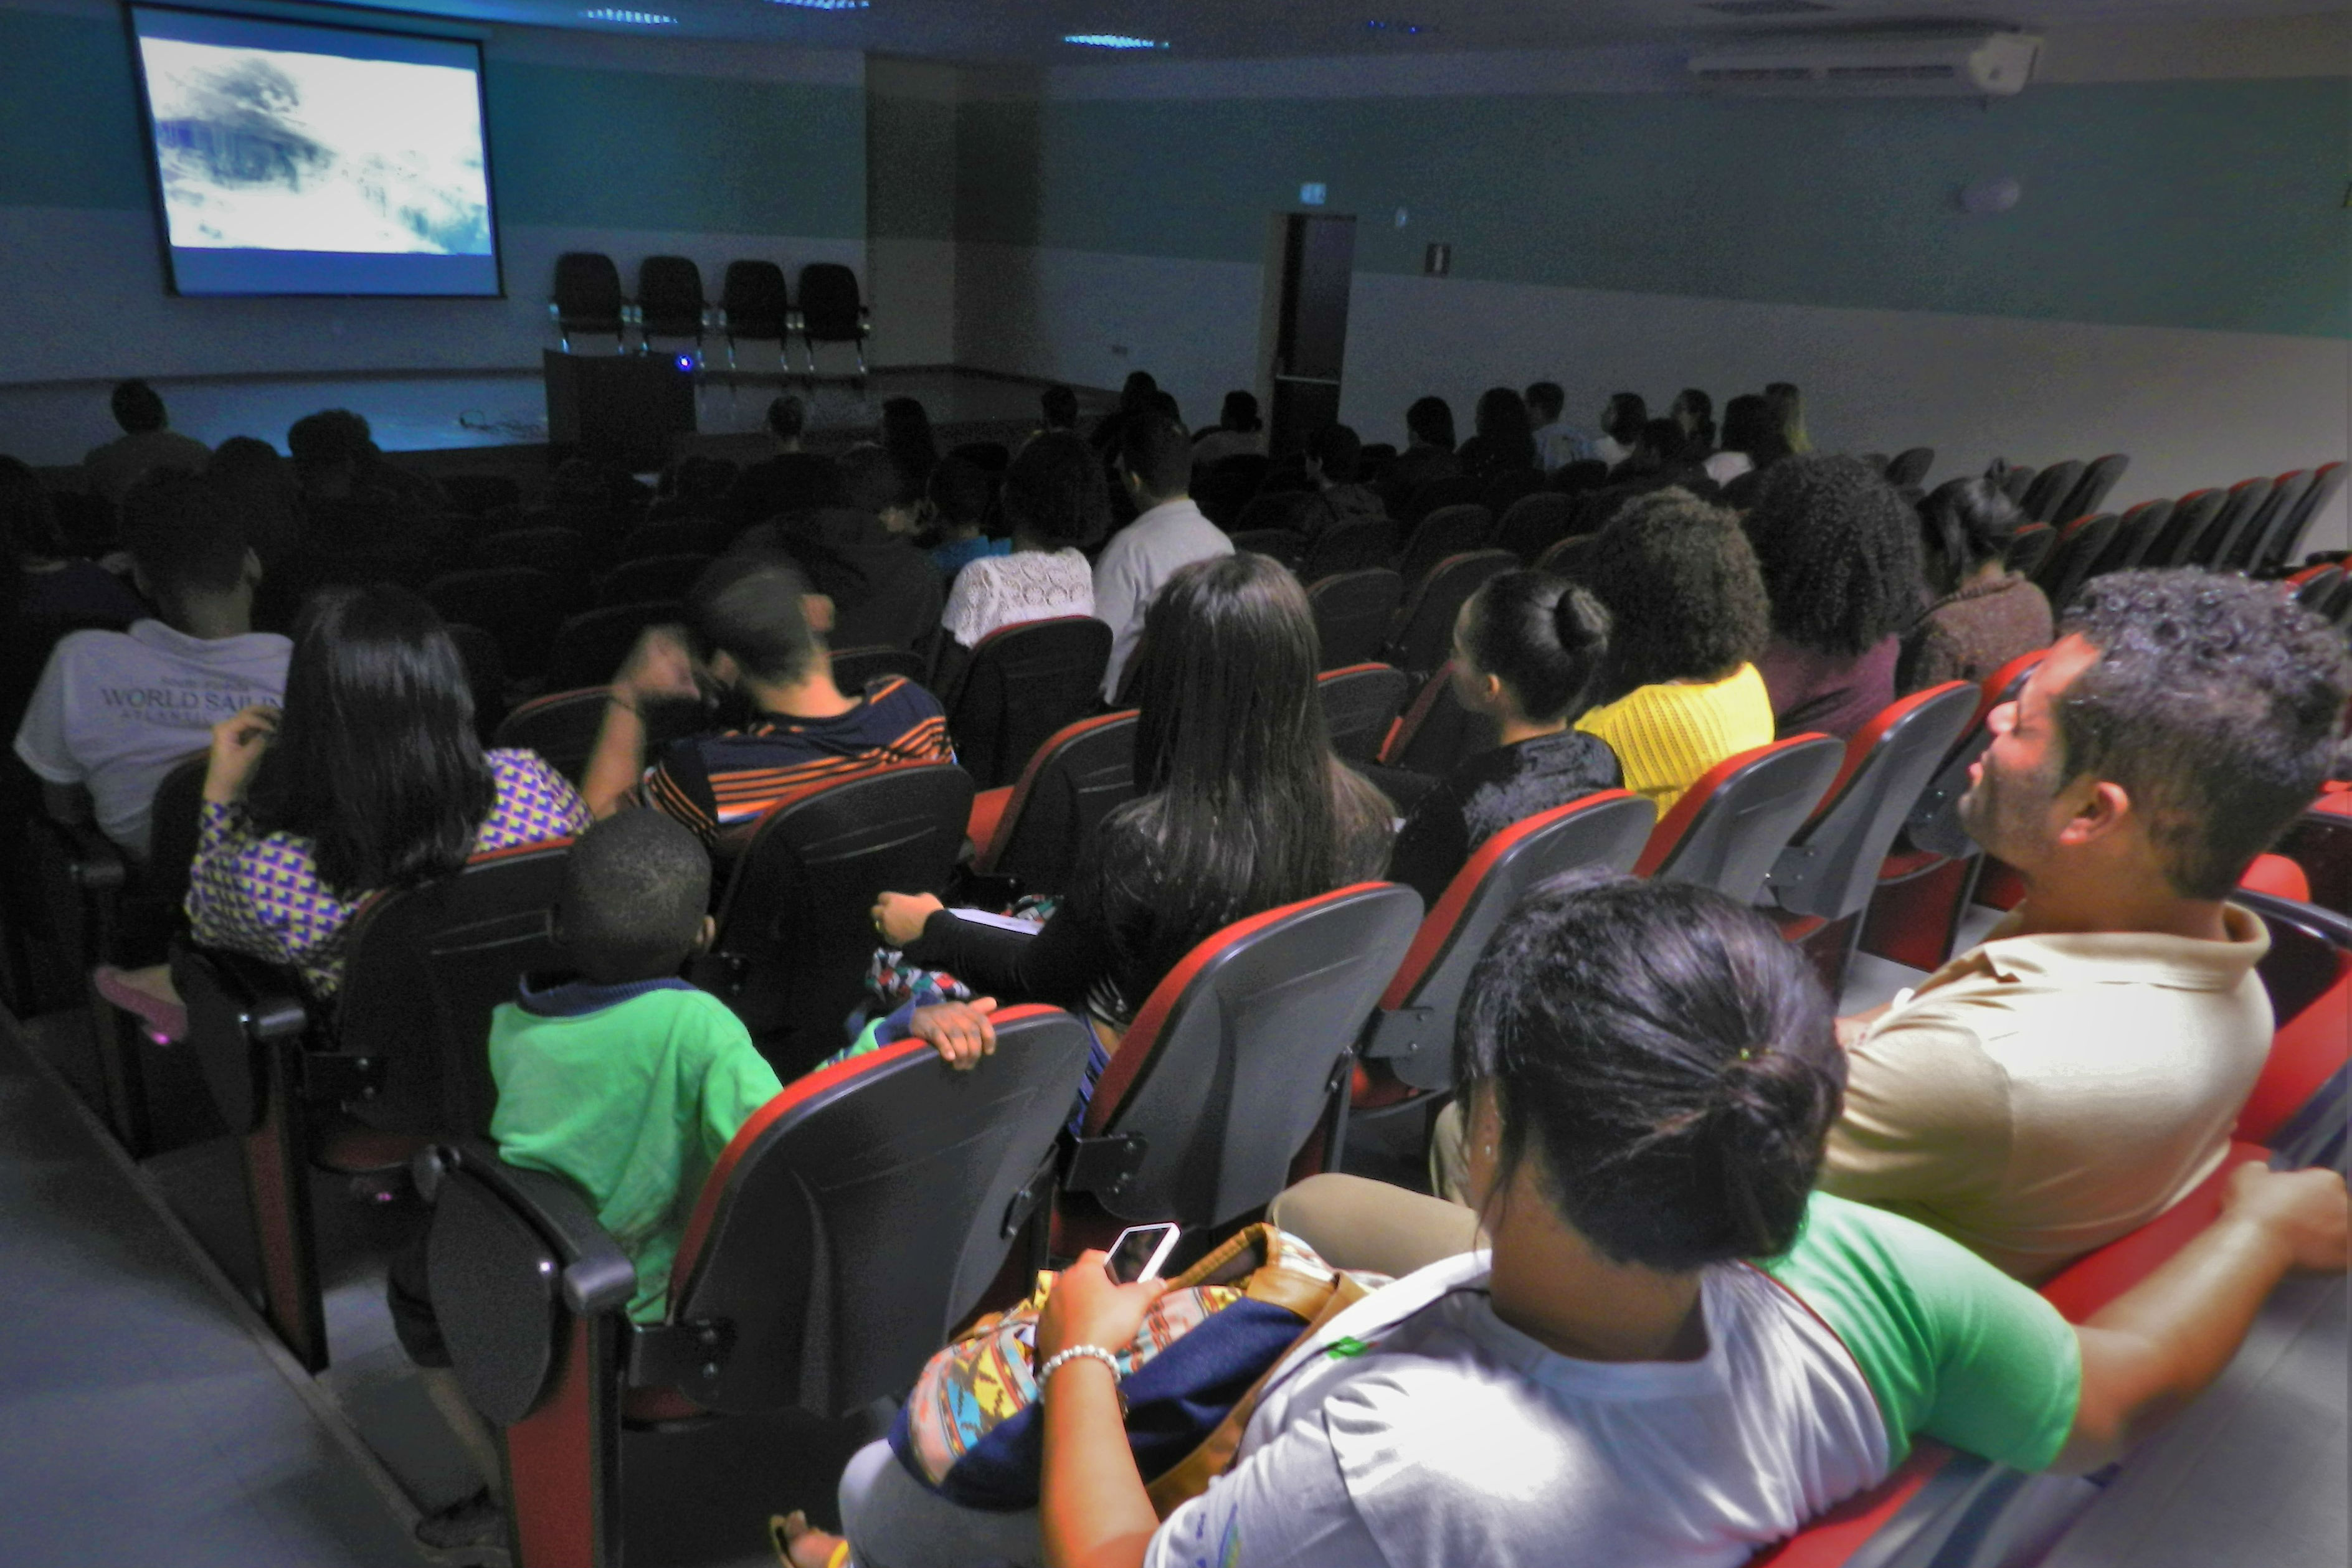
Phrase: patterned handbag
(970,1430)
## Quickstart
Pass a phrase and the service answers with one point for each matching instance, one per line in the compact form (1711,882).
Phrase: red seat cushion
(2090,1282)
(987,815)
(2279,876)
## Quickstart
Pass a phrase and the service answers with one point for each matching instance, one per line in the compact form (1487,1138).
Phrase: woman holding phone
(1673,1354)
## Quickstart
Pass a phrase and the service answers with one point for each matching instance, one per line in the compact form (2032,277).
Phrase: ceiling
(1033,30)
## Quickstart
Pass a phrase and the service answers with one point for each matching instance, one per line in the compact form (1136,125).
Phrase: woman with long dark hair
(1983,614)
(370,778)
(906,437)
(1506,442)
(1752,439)
(1527,648)
(1621,427)
(1242,807)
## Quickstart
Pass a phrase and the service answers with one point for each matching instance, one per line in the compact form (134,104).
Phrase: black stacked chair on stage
(755,307)
(587,297)
(832,312)
(670,301)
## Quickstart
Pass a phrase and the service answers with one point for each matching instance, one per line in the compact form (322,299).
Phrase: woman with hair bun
(1983,614)
(1527,647)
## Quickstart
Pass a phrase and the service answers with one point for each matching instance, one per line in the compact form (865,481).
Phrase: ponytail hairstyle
(1965,523)
(1788,406)
(1540,635)
(1668,1061)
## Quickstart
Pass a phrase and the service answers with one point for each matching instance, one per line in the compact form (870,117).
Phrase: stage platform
(453,423)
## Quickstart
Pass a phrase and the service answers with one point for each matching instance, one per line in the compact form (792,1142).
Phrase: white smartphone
(1139,1251)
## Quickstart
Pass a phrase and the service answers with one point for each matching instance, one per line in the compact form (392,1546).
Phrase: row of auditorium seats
(754,305)
(2254,526)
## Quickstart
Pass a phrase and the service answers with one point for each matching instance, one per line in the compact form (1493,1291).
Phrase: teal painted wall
(2211,204)
(569,147)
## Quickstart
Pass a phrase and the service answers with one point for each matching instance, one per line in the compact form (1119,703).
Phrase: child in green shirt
(626,1081)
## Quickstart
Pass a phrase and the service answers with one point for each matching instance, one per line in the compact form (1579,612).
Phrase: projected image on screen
(299,160)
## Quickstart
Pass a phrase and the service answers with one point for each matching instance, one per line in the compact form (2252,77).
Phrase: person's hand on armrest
(68,804)
(2161,1343)
(959,1031)
(899,917)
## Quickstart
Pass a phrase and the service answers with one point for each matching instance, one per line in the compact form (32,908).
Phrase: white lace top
(1027,585)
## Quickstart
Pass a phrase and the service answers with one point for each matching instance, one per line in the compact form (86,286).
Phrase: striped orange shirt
(733,775)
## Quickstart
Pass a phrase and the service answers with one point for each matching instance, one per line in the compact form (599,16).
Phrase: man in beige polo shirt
(2077,1074)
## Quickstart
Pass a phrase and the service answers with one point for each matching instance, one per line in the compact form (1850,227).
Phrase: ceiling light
(1113,41)
(825,4)
(634,18)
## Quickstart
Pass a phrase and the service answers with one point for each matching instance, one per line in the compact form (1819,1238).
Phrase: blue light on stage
(1113,41)
(686,362)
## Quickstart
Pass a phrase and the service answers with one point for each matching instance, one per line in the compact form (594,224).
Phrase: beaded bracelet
(1062,1358)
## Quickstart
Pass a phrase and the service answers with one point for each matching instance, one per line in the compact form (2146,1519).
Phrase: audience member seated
(147,443)
(1840,555)
(1135,395)
(1671,1351)
(1057,409)
(906,437)
(39,582)
(1983,614)
(960,497)
(370,778)
(349,491)
(1155,466)
(114,711)
(862,555)
(1238,430)
(1621,427)
(760,632)
(1428,453)
(1752,439)
(259,487)
(1687,616)
(1058,505)
(1660,460)
(1527,648)
(2071,1078)
(1558,443)
(1242,807)
(1503,444)
(1693,413)
(789,481)
(623,1080)
(1335,461)
(1788,406)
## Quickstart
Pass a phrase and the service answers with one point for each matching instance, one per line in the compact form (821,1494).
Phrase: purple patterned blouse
(263,896)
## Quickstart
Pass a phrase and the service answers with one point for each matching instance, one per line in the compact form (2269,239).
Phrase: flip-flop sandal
(776,1539)
(166,1021)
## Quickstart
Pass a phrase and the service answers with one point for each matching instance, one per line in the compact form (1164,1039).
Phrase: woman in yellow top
(1680,689)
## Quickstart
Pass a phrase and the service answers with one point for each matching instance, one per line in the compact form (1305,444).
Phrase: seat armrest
(597,1275)
(93,861)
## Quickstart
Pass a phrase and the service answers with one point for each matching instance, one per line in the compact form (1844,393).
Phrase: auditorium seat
(2191,515)
(2326,483)
(2016,479)
(2097,482)
(1353,611)
(1422,634)
(1223,488)
(399,1056)
(556,550)
(650,579)
(1822,883)
(670,301)
(479,495)
(1507,490)
(1437,732)
(832,312)
(1033,830)
(521,606)
(1408,1044)
(1443,533)
(1350,547)
(849,1226)
(755,306)
(1561,557)
(1285,545)
(1910,466)
(1580,477)
(1729,828)
(1360,702)
(2050,489)
(587,297)
(1534,523)
(2297,1105)
(854,669)
(1453,490)
(1232,1064)
(2080,543)
(2239,504)
(589,649)
(1023,683)
(1272,510)
(2262,545)
(101,906)
(2137,532)
(673,536)
(2030,548)
(2320,841)
(795,924)
(1924,884)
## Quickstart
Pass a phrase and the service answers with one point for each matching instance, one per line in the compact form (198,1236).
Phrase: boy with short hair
(626,1081)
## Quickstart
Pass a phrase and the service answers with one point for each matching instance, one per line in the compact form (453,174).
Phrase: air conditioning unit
(1977,65)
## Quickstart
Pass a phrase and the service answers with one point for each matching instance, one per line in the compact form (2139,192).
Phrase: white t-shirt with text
(114,710)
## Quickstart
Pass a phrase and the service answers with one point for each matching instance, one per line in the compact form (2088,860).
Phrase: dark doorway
(1310,336)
